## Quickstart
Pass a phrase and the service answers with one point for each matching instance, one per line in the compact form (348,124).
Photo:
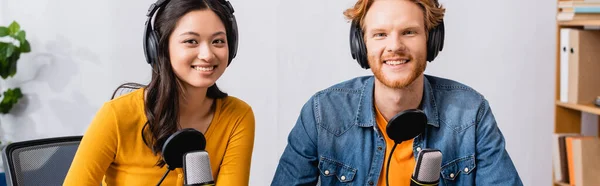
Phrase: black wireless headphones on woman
(435,43)
(151,36)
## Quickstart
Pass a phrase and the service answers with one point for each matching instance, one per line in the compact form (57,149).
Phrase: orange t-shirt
(402,164)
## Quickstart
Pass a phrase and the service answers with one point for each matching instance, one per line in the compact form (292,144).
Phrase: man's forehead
(395,12)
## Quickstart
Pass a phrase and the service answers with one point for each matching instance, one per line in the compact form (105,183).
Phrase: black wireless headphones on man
(151,36)
(435,43)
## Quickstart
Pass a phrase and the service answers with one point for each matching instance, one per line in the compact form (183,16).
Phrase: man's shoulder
(444,87)
(356,85)
(348,93)
(455,102)
(343,91)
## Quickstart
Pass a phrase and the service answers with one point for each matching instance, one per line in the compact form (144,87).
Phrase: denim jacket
(336,141)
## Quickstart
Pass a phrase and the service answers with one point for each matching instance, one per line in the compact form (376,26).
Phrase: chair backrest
(39,162)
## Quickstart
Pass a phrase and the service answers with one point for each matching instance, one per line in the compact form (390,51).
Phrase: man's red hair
(433,14)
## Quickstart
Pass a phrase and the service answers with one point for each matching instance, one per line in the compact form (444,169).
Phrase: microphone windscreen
(406,125)
(181,142)
(196,168)
(428,166)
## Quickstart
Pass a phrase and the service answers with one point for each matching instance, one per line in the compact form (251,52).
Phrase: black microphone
(177,145)
(404,126)
(196,169)
(427,168)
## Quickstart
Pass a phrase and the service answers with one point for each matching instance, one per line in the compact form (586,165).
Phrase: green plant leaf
(3,31)
(4,68)
(25,47)
(13,28)
(8,67)
(9,50)
(3,48)
(13,65)
(11,97)
(20,36)
(12,61)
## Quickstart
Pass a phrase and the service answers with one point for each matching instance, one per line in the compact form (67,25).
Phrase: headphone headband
(154,7)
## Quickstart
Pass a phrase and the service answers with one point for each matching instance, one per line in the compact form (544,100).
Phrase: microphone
(196,169)
(404,126)
(177,145)
(427,168)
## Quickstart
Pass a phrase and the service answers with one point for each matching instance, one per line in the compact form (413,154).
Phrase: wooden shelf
(568,116)
(589,108)
(580,23)
(561,183)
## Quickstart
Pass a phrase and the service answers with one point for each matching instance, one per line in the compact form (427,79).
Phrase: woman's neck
(195,109)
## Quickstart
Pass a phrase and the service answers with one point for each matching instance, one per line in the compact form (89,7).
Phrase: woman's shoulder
(236,113)
(134,98)
(124,113)
(127,106)
(235,104)
(233,108)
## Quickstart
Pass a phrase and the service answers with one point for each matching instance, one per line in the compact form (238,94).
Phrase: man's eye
(410,32)
(379,35)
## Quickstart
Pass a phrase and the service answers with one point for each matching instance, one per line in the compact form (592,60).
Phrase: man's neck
(391,101)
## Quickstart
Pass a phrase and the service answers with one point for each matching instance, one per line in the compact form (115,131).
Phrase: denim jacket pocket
(458,171)
(330,168)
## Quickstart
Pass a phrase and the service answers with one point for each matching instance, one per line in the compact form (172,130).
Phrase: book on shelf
(578,10)
(559,157)
(575,159)
(579,66)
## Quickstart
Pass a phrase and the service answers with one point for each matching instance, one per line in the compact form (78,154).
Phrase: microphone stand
(164,176)
(387,169)
(416,120)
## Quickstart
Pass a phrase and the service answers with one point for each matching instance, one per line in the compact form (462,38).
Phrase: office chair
(39,162)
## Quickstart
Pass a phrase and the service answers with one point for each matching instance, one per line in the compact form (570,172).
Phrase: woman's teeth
(398,62)
(199,68)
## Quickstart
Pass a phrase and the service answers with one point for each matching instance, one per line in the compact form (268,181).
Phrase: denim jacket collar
(365,115)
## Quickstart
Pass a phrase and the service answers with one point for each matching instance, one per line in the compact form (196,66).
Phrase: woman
(195,42)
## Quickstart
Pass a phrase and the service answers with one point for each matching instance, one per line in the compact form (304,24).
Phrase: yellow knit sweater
(112,150)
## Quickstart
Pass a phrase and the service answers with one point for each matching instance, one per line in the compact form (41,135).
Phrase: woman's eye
(219,41)
(191,41)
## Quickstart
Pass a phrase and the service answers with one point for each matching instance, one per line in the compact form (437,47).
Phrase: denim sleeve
(494,165)
(298,163)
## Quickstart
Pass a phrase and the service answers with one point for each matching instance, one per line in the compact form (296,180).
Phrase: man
(340,136)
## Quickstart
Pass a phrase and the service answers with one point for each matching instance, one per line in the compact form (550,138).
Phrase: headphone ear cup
(232,32)
(152,47)
(431,45)
(233,41)
(357,45)
(435,43)
(441,33)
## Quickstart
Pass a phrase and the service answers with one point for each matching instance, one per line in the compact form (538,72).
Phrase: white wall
(81,50)
(505,50)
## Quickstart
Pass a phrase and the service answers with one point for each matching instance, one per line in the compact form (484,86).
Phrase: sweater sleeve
(235,168)
(96,151)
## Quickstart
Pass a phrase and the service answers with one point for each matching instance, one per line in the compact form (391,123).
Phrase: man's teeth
(199,68)
(396,62)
